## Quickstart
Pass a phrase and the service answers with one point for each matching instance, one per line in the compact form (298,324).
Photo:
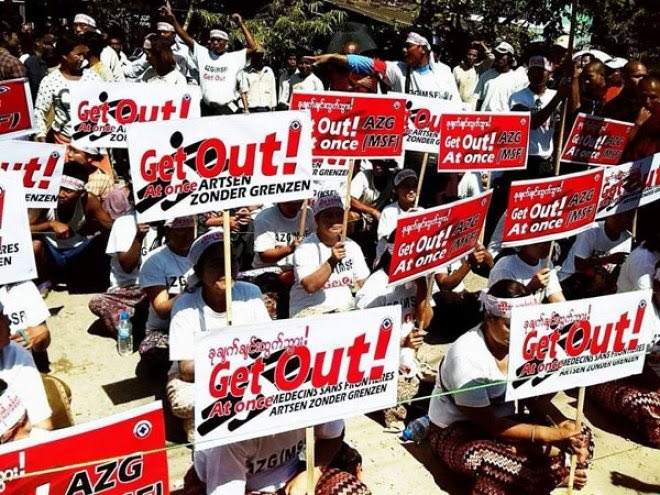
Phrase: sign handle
(303,219)
(347,199)
(309,458)
(578,422)
(422,173)
(634,226)
(430,278)
(226,237)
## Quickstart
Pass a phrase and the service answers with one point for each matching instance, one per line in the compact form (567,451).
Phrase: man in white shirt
(468,71)
(218,68)
(303,80)
(497,84)
(542,102)
(82,24)
(290,68)
(257,85)
(638,270)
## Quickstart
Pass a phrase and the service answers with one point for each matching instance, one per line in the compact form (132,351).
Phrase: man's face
(290,208)
(586,59)
(650,96)
(378,168)
(537,251)
(407,191)
(47,46)
(12,41)
(167,36)
(633,76)
(213,272)
(218,45)
(499,329)
(593,79)
(80,28)
(75,58)
(537,76)
(291,62)
(502,60)
(304,67)
(78,156)
(414,55)
(330,221)
(115,44)
(67,196)
(471,57)
(180,239)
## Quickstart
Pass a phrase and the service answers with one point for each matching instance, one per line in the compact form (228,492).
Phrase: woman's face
(498,329)
(330,221)
(74,59)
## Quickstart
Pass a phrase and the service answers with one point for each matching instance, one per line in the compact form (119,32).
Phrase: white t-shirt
(495,88)
(120,240)
(172,78)
(218,73)
(637,271)
(336,293)
(261,464)
(387,225)
(299,83)
(272,229)
(17,368)
(594,242)
(437,82)
(468,363)
(23,305)
(540,139)
(514,268)
(191,314)
(470,185)
(163,267)
(451,268)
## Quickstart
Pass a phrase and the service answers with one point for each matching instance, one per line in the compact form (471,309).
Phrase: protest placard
(596,140)
(629,186)
(16,254)
(423,121)
(555,347)
(542,210)
(429,239)
(283,375)
(122,454)
(16,113)
(100,112)
(193,166)
(483,141)
(349,125)
(330,169)
(41,166)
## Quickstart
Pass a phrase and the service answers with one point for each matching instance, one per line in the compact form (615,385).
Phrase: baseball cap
(540,61)
(202,243)
(327,203)
(404,174)
(504,47)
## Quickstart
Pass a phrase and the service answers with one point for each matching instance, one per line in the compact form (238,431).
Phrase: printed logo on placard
(142,429)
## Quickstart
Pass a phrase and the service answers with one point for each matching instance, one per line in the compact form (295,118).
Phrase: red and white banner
(16,254)
(429,239)
(555,347)
(284,375)
(349,125)
(629,186)
(483,141)
(16,113)
(542,210)
(596,141)
(41,166)
(423,121)
(100,112)
(111,456)
(193,166)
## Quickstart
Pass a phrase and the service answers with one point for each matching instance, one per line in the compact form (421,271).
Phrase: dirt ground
(104,383)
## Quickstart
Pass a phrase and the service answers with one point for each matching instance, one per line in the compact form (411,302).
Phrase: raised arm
(252,46)
(169,16)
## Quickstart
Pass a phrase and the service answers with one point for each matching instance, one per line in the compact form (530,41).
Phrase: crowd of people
(290,263)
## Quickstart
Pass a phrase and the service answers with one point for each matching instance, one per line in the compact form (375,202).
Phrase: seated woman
(230,469)
(163,277)
(415,317)
(204,310)
(27,313)
(326,269)
(636,399)
(475,433)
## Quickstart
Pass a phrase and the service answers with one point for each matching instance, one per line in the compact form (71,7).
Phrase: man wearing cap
(468,71)
(82,24)
(204,310)
(542,102)
(418,73)
(64,244)
(497,84)
(627,105)
(218,68)
(326,269)
(405,188)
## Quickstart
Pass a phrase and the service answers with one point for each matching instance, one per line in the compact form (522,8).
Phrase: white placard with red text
(629,186)
(259,380)
(423,121)
(123,454)
(41,166)
(559,346)
(16,254)
(541,210)
(193,166)
(100,112)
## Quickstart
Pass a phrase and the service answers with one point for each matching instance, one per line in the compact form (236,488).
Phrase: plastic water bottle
(417,430)
(124,335)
